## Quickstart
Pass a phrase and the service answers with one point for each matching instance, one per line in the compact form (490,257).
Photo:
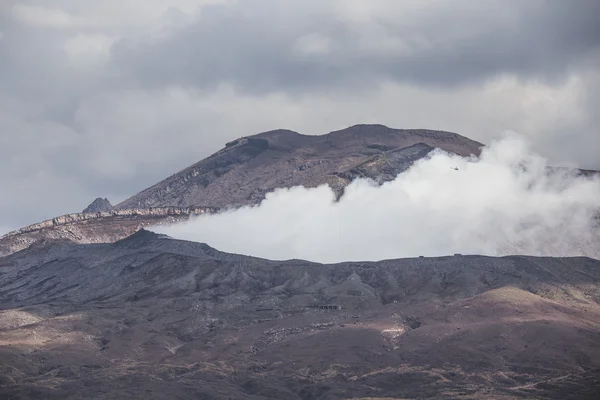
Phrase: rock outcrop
(97,227)
(98,205)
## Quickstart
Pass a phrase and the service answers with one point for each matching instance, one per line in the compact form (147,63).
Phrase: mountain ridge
(95,227)
(285,158)
(150,317)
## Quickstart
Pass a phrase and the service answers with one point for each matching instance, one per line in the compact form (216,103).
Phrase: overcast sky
(104,98)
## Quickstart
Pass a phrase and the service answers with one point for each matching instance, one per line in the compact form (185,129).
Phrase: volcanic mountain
(150,317)
(247,168)
(93,306)
(243,172)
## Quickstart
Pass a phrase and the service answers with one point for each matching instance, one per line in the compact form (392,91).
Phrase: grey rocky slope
(150,317)
(247,168)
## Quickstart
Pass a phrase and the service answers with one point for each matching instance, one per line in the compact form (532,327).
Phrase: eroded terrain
(150,317)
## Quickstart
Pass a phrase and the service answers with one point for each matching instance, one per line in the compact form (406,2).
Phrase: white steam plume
(505,202)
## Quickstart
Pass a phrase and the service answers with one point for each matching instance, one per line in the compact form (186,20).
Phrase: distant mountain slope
(150,317)
(247,168)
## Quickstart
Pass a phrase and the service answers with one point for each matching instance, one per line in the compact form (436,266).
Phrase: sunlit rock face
(97,227)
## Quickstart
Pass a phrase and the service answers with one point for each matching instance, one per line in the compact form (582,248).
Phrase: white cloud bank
(505,202)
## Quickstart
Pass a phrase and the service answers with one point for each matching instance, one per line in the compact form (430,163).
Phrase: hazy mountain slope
(249,167)
(151,318)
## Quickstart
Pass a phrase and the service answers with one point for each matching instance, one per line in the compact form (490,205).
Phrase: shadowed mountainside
(150,317)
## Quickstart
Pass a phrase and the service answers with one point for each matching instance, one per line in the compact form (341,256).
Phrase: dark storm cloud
(258,46)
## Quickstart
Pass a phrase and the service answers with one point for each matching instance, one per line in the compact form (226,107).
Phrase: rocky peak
(251,166)
(99,205)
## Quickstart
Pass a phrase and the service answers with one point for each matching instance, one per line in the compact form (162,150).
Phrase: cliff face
(247,168)
(99,227)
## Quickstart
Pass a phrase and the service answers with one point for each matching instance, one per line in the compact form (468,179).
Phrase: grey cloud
(466,42)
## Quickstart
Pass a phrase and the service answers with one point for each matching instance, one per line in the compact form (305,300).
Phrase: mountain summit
(249,167)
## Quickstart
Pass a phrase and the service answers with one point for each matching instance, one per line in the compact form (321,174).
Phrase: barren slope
(150,317)
(249,167)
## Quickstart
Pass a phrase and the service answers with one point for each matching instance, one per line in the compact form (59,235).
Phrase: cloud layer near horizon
(505,202)
(106,98)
